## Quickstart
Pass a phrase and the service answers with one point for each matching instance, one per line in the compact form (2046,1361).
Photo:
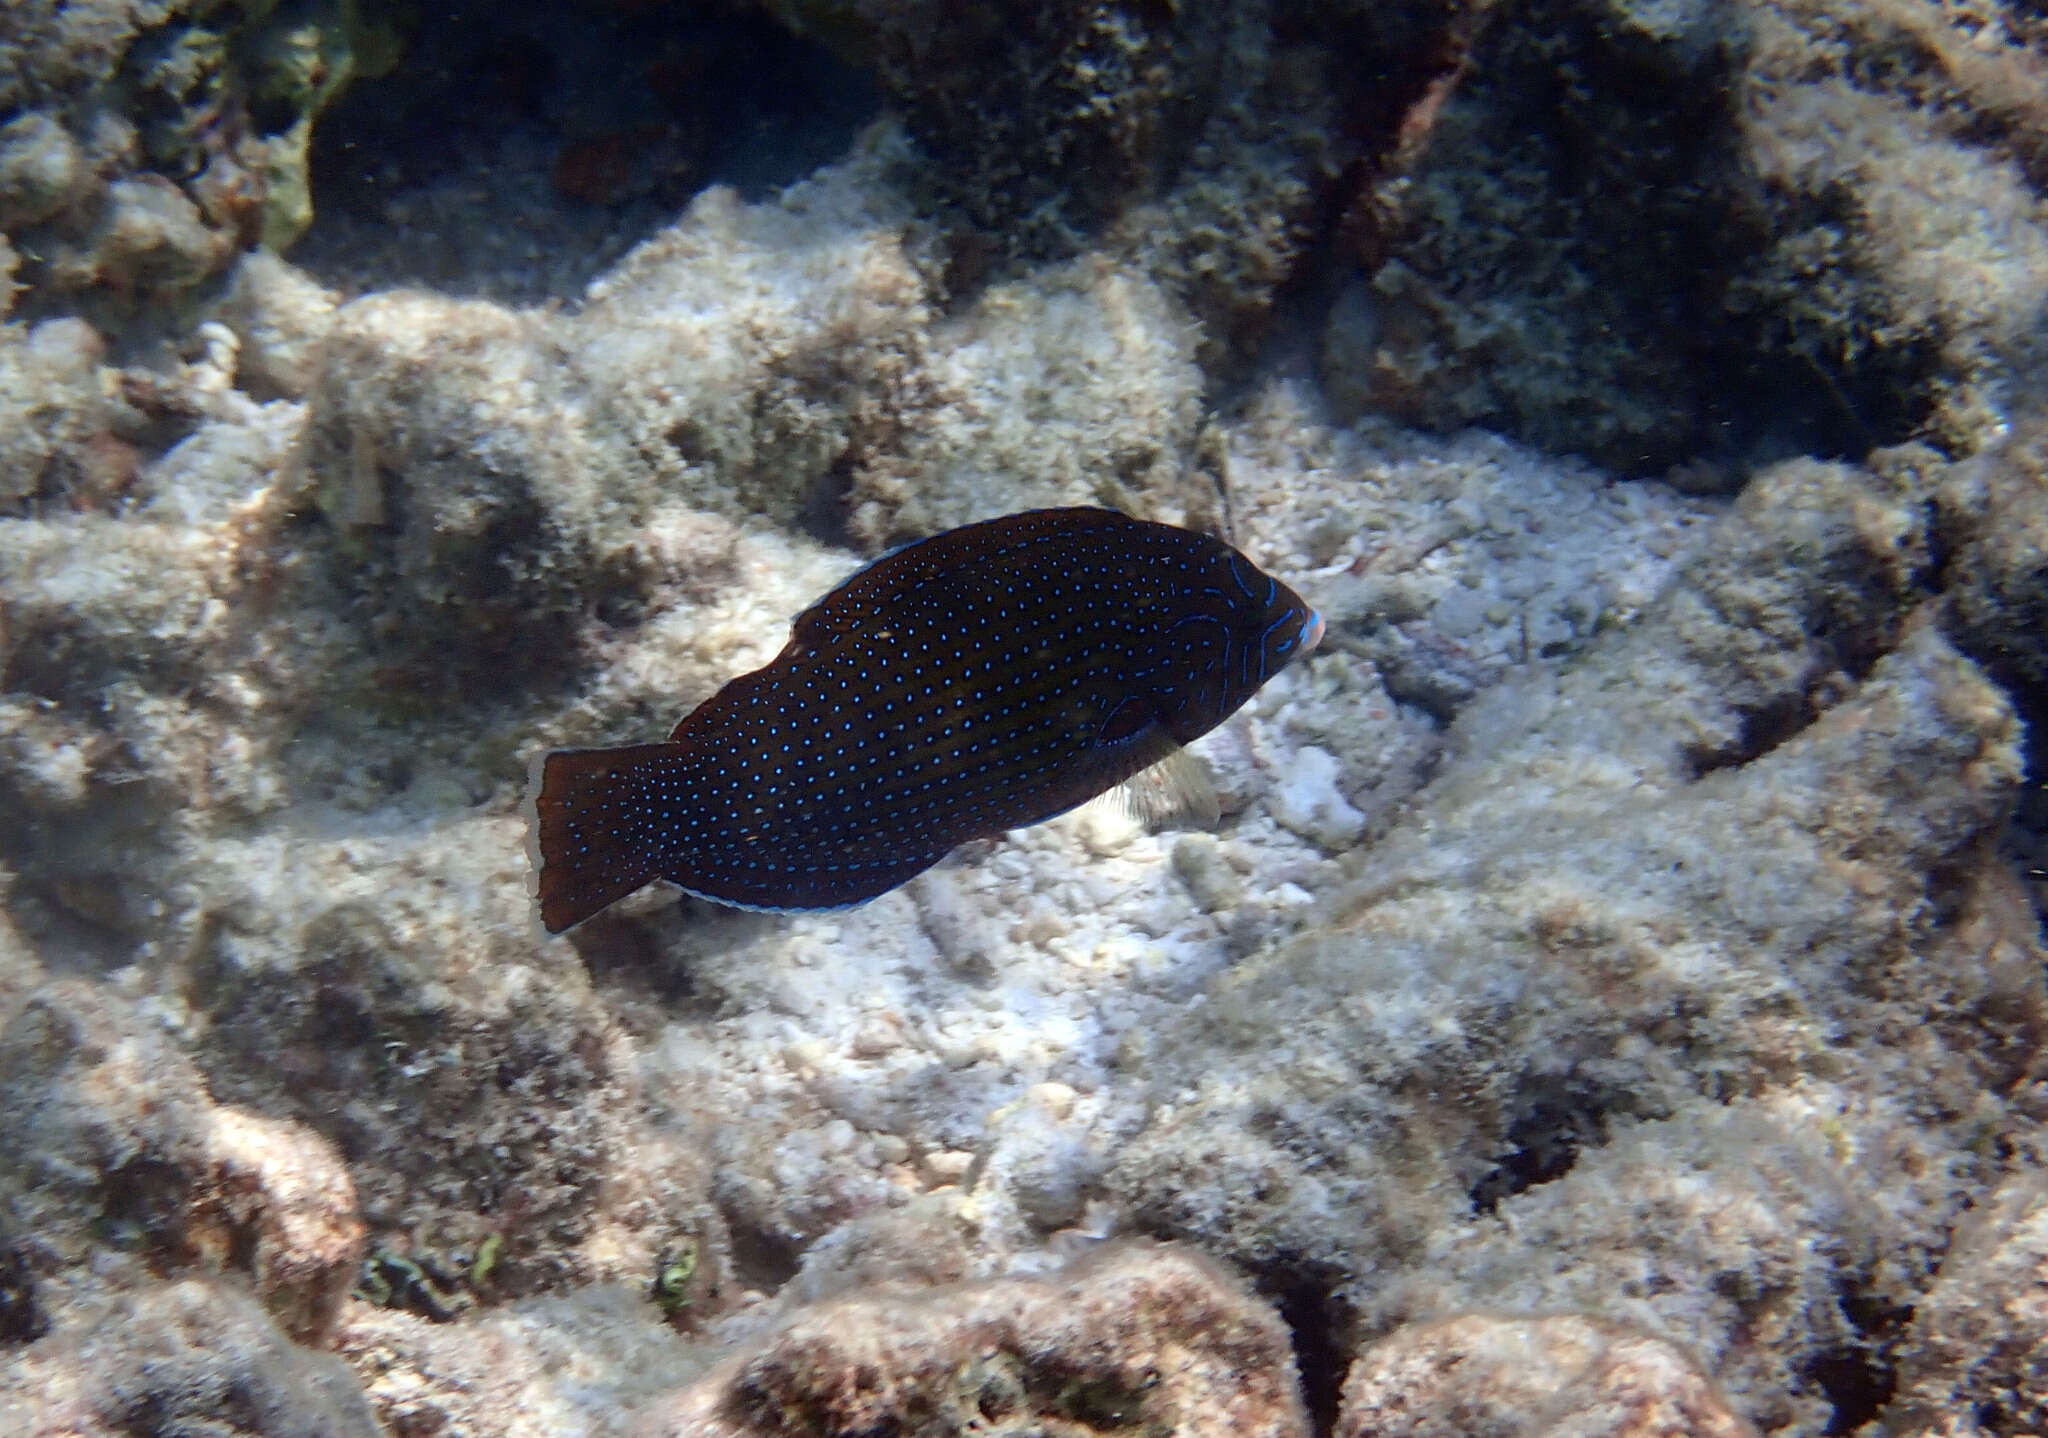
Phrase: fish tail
(597,827)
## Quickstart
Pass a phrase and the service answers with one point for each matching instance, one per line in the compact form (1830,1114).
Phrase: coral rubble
(1140,1337)
(1520,1378)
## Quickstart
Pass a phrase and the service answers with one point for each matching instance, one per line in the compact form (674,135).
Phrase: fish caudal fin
(597,827)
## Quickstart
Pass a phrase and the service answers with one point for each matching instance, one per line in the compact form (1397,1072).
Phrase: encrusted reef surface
(1612,1000)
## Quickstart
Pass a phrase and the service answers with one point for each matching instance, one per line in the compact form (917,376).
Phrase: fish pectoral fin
(1174,791)
(1146,774)
(1128,721)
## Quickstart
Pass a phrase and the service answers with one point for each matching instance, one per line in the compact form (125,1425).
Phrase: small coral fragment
(1141,1338)
(1556,1377)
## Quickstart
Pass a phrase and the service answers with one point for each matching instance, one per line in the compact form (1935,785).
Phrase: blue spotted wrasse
(981,680)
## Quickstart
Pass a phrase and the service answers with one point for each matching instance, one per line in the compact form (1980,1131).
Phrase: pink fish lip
(1313,634)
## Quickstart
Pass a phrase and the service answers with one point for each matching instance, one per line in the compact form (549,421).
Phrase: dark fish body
(981,680)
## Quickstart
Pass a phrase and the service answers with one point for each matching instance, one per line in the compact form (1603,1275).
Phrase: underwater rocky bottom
(1610,999)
